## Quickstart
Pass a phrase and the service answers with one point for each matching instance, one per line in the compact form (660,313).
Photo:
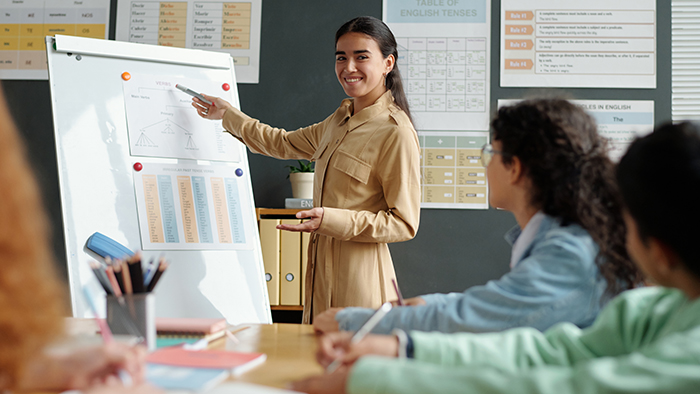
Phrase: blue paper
(183,378)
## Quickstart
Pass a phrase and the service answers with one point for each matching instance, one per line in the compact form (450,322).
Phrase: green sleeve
(634,373)
(622,327)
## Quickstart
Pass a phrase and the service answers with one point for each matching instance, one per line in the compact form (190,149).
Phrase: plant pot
(302,184)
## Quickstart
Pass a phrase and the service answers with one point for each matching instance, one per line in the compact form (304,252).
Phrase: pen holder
(135,315)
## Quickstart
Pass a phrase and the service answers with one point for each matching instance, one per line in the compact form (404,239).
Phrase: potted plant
(302,178)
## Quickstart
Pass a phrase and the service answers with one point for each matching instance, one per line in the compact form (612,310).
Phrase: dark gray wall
(454,249)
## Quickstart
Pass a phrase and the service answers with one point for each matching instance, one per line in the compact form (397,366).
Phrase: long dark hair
(572,177)
(380,33)
(671,153)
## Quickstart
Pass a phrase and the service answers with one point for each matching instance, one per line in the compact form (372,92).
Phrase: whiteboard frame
(93,159)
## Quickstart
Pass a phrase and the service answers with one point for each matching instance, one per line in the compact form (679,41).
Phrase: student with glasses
(646,340)
(548,166)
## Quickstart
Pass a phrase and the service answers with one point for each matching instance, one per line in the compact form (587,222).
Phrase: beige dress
(367,179)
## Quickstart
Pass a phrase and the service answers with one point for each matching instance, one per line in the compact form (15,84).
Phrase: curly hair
(572,177)
(31,298)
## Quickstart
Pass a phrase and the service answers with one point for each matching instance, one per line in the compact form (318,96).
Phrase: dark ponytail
(572,177)
(380,33)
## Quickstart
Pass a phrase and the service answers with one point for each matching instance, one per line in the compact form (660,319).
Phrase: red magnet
(126,76)
(226,87)
(138,166)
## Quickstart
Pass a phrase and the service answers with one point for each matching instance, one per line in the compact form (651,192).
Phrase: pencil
(101,277)
(399,301)
(159,272)
(117,268)
(126,277)
(113,280)
(136,273)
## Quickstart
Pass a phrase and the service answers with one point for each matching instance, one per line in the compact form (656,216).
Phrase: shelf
(272,213)
(287,308)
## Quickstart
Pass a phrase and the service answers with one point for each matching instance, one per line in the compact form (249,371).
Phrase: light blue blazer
(555,280)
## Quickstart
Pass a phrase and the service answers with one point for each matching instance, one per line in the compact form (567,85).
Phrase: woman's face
(360,67)
(498,178)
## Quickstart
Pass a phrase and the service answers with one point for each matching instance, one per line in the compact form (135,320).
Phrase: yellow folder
(270,245)
(290,265)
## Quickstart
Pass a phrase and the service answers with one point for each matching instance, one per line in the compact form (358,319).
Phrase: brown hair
(382,35)
(31,298)
(572,176)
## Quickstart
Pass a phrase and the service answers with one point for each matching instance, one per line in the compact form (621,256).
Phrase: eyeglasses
(487,153)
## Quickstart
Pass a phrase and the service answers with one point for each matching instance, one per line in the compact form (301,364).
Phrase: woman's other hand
(314,216)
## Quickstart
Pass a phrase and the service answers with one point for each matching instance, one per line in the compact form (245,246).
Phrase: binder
(290,265)
(270,244)
(305,237)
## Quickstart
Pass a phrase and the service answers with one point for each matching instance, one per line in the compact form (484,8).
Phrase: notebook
(176,331)
(235,362)
(189,326)
(248,388)
(182,378)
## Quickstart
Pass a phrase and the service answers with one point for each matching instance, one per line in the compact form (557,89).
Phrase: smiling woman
(367,171)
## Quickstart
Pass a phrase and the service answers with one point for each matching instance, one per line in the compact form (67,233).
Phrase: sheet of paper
(444,59)
(163,123)
(25,23)
(190,207)
(620,121)
(594,43)
(222,26)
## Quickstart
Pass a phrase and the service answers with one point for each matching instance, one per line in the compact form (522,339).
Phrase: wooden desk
(290,349)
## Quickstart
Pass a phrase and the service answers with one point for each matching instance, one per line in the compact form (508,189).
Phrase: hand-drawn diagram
(162,122)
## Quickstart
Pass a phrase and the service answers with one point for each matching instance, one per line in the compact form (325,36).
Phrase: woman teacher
(367,177)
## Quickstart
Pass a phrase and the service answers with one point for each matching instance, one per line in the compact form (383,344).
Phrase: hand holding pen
(345,349)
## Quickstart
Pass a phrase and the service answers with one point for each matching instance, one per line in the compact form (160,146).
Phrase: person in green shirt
(646,340)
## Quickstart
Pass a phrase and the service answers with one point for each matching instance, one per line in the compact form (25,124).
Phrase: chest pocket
(352,166)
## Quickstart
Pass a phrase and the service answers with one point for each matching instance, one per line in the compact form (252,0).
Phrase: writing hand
(325,322)
(333,383)
(415,301)
(215,111)
(315,216)
(82,368)
(337,345)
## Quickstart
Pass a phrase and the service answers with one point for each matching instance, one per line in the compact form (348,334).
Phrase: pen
(159,272)
(192,93)
(106,333)
(364,330)
(398,293)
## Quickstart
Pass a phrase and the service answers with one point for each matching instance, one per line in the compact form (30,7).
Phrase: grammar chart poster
(589,44)
(619,121)
(24,24)
(444,52)
(193,207)
(211,25)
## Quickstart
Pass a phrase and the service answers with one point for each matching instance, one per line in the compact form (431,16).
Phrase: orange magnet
(126,76)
